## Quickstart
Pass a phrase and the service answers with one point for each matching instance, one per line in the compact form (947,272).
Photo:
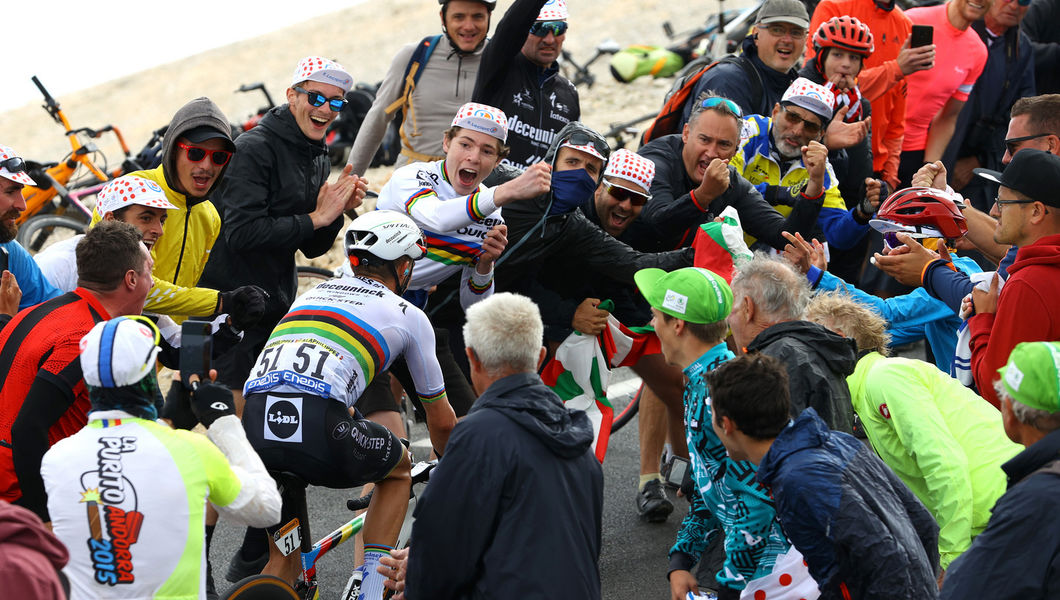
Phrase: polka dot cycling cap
(18,175)
(484,119)
(128,190)
(811,96)
(323,70)
(631,167)
(553,10)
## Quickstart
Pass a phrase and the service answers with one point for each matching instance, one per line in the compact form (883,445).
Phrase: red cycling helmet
(846,33)
(923,207)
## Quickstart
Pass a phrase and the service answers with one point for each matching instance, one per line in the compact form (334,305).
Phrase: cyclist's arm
(506,43)
(373,127)
(427,376)
(240,487)
(431,212)
(35,287)
(167,298)
(474,286)
(50,396)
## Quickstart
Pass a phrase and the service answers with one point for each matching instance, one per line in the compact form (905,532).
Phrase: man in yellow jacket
(195,153)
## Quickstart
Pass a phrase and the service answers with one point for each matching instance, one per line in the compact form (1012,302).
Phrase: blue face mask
(571,189)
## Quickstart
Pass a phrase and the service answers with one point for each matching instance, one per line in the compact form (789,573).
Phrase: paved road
(632,562)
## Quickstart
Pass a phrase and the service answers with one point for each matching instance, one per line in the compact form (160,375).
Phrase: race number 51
(288,539)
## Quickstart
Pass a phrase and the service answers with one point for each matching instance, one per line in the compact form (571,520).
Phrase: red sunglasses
(197,154)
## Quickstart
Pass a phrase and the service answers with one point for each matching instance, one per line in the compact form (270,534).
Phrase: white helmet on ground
(386,234)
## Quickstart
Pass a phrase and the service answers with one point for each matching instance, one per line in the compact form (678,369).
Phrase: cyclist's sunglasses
(14,164)
(793,119)
(581,138)
(542,28)
(722,102)
(318,99)
(1013,144)
(197,154)
(622,194)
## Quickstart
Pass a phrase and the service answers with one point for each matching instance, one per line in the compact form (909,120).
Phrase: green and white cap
(1032,375)
(691,294)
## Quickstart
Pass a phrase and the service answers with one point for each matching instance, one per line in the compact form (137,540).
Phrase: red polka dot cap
(553,10)
(631,167)
(484,119)
(589,148)
(18,175)
(318,68)
(811,96)
(131,189)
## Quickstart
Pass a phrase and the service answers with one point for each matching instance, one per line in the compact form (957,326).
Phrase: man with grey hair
(1021,533)
(769,298)
(519,479)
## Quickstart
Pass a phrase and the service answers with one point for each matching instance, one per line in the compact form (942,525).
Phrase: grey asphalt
(632,559)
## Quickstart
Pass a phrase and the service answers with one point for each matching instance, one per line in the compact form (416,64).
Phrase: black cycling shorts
(317,439)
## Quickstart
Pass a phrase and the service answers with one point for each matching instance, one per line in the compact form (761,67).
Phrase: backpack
(413,72)
(673,106)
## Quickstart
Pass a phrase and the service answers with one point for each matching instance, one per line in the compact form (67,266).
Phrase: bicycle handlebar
(50,104)
(421,473)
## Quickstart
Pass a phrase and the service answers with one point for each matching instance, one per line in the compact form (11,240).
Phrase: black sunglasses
(14,164)
(318,99)
(793,119)
(542,28)
(622,194)
(581,138)
(1011,143)
(197,154)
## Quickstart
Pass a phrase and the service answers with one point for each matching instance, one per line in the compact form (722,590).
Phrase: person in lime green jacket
(942,439)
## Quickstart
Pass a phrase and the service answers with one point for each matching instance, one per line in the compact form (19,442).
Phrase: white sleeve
(408,194)
(58,264)
(421,358)
(258,501)
(474,286)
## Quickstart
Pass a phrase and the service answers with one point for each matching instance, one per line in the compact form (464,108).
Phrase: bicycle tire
(628,412)
(35,233)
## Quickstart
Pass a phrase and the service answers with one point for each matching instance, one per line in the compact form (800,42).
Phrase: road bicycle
(580,74)
(295,534)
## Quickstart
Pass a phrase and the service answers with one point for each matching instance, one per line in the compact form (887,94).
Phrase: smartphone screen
(922,36)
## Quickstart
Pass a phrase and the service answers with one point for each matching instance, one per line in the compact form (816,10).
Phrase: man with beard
(19,270)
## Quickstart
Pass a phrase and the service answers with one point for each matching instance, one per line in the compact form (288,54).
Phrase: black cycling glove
(178,407)
(245,305)
(211,401)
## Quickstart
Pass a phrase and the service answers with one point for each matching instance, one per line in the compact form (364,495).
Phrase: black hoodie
(818,362)
(514,508)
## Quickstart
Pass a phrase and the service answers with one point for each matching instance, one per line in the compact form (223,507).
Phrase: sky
(82,43)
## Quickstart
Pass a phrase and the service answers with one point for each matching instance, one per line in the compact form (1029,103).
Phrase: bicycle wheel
(309,277)
(628,412)
(42,231)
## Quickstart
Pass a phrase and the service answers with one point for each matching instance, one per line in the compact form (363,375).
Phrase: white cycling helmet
(386,234)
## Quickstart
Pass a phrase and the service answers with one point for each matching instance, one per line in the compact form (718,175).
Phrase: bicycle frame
(322,547)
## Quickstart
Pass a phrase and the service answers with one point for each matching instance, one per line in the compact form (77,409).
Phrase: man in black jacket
(519,480)
(694,183)
(519,74)
(275,200)
(769,299)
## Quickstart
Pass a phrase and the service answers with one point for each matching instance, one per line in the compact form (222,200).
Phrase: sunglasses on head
(542,28)
(581,138)
(318,99)
(14,164)
(793,119)
(622,194)
(197,154)
(718,102)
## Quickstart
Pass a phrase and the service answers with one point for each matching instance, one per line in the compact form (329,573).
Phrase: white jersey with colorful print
(128,498)
(454,226)
(337,336)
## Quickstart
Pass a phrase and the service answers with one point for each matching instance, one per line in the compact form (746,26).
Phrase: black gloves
(244,305)
(211,401)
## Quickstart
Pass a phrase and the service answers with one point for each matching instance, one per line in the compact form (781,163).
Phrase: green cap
(1032,375)
(690,294)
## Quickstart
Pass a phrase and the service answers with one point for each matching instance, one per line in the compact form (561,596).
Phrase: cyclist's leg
(667,385)
(660,405)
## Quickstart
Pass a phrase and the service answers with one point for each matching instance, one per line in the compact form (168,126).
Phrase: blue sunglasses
(318,99)
(541,28)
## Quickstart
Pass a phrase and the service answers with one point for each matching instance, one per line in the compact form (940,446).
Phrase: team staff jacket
(726,499)
(43,398)
(453,225)
(128,498)
(939,437)
(445,84)
(538,102)
(758,163)
(670,219)
(265,199)
(339,335)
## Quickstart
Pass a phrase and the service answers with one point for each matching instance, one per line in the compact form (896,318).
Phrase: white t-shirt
(58,262)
